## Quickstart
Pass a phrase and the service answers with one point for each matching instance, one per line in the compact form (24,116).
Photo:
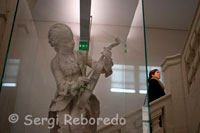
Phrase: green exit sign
(83,45)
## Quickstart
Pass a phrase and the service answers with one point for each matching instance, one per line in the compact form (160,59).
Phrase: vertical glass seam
(10,38)
(144,28)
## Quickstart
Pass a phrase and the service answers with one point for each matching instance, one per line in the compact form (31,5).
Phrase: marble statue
(74,89)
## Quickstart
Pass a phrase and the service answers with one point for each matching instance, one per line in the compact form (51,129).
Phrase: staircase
(179,108)
(133,124)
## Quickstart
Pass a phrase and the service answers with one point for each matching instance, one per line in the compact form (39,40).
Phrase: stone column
(171,67)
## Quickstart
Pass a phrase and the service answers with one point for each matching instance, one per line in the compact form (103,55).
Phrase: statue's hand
(106,53)
(79,85)
(82,80)
(117,40)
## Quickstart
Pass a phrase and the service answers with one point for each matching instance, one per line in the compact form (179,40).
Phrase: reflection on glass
(11,73)
(130,79)
(30,43)
(123,79)
(143,91)
(122,90)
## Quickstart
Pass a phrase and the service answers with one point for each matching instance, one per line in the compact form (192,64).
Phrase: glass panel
(167,26)
(46,78)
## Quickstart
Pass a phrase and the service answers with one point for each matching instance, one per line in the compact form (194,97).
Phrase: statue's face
(66,41)
(66,44)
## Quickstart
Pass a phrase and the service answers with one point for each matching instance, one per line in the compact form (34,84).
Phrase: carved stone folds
(195,61)
(188,56)
(190,76)
(191,57)
(197,27)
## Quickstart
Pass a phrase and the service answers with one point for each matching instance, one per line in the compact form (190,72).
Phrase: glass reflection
(130,78)
(11,73)
(34,78)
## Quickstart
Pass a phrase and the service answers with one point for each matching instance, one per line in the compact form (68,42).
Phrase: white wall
(163,42)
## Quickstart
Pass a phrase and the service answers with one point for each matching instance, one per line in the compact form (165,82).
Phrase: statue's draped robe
(65,101)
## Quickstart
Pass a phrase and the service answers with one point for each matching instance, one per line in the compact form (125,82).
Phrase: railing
(159,109)
(133,124)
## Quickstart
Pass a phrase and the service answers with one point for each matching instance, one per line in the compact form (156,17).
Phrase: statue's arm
(64,87)
(90,62)
(107,63)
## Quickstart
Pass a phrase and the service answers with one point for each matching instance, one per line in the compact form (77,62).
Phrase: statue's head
(60,37)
